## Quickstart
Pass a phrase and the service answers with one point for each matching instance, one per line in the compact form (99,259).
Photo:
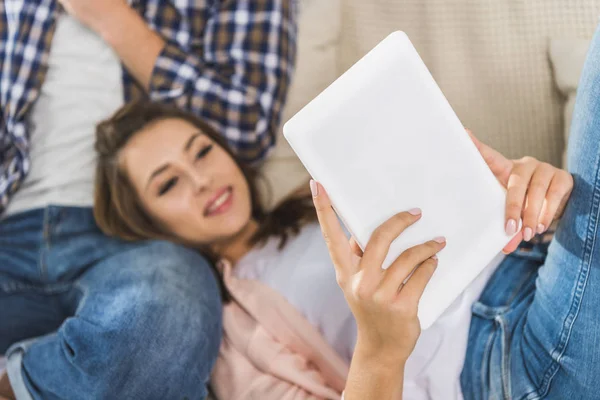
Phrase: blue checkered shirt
(228,61)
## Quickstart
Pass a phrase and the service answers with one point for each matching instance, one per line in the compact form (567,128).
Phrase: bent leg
(147,325)
(565,313)
(535,332)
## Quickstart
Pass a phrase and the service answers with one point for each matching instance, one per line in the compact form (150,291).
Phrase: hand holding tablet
(383,139)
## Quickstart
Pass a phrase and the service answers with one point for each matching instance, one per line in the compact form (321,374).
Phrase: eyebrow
(191,141)
(164,167)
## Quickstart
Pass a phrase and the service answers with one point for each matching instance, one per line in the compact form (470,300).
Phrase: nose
(200,181)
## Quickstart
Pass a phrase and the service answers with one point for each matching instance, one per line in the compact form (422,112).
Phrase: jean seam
(17,287)
(590,239)
(505,358)
(44,248)
(485,360)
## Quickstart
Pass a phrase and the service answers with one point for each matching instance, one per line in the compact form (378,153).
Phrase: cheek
(247,198)
(243,191)
(177,213)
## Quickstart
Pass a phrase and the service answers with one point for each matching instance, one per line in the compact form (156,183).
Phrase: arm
(236,76)
(383,302)
(369,377)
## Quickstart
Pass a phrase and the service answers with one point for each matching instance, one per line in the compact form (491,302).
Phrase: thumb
(513,244)
(498,164)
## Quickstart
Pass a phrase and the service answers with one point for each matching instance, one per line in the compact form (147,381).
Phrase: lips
(220,202)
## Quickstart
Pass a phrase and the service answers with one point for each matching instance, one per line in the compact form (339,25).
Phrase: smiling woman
(187,182)
(165,174)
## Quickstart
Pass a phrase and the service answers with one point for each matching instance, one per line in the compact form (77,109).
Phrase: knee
(162,317)
(175,302)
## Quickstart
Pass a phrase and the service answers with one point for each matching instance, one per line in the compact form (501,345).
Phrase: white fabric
(83,86)
(303,274)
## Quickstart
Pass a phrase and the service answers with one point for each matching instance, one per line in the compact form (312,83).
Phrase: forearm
(241,91)
(135,43)
(372,378)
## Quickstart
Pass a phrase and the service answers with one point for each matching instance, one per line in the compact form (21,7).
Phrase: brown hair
(117,209)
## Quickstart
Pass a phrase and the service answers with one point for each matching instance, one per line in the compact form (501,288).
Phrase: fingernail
(511,227)
(541,228)
(314,188)
(434,257)
(440,239)
(415,211)
(527,234)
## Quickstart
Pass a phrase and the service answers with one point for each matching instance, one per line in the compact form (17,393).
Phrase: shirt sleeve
(237,78)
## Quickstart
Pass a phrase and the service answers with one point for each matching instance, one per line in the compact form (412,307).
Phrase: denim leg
(143,322)
(568,288)
(546,343)
(27,308)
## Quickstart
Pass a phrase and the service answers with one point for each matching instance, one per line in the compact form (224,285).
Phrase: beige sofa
(508,67)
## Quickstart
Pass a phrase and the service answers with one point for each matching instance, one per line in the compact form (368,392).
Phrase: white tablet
(383,139)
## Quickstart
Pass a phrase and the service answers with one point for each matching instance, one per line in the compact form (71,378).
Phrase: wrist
(110,26)
(387,361)
(370,377)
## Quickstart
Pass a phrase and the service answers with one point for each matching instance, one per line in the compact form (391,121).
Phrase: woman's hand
(537,192)
(385,309)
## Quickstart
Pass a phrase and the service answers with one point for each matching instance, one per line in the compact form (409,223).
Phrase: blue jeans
(85,316)
(535,332)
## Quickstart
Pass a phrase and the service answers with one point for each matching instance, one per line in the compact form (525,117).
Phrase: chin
(240,226)
(228,225)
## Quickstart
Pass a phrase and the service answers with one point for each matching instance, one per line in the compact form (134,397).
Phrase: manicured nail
(440,239)
(415,211)
(541,228)
(314,188)
(527,234)
(511,227)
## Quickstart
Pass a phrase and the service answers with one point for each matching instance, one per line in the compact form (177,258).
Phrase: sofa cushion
(567,57)
(316,67)
(489,57)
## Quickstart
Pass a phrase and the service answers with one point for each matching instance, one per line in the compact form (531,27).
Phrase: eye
(204,151)
(168,185)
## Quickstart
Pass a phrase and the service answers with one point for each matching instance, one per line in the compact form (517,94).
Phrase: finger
(556,197)
(536,194)
(497,163)
(402,267)
(333,233)
(415,286)
(518,182)
(513,244)
(381,239)
(355,247)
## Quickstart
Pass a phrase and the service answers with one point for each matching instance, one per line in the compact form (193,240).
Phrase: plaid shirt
(229,61)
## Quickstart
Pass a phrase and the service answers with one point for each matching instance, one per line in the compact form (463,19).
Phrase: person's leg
(542,335)
(566,308)
(28,307)
(145,322)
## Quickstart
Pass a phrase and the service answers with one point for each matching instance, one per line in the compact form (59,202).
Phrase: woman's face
(187,182)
